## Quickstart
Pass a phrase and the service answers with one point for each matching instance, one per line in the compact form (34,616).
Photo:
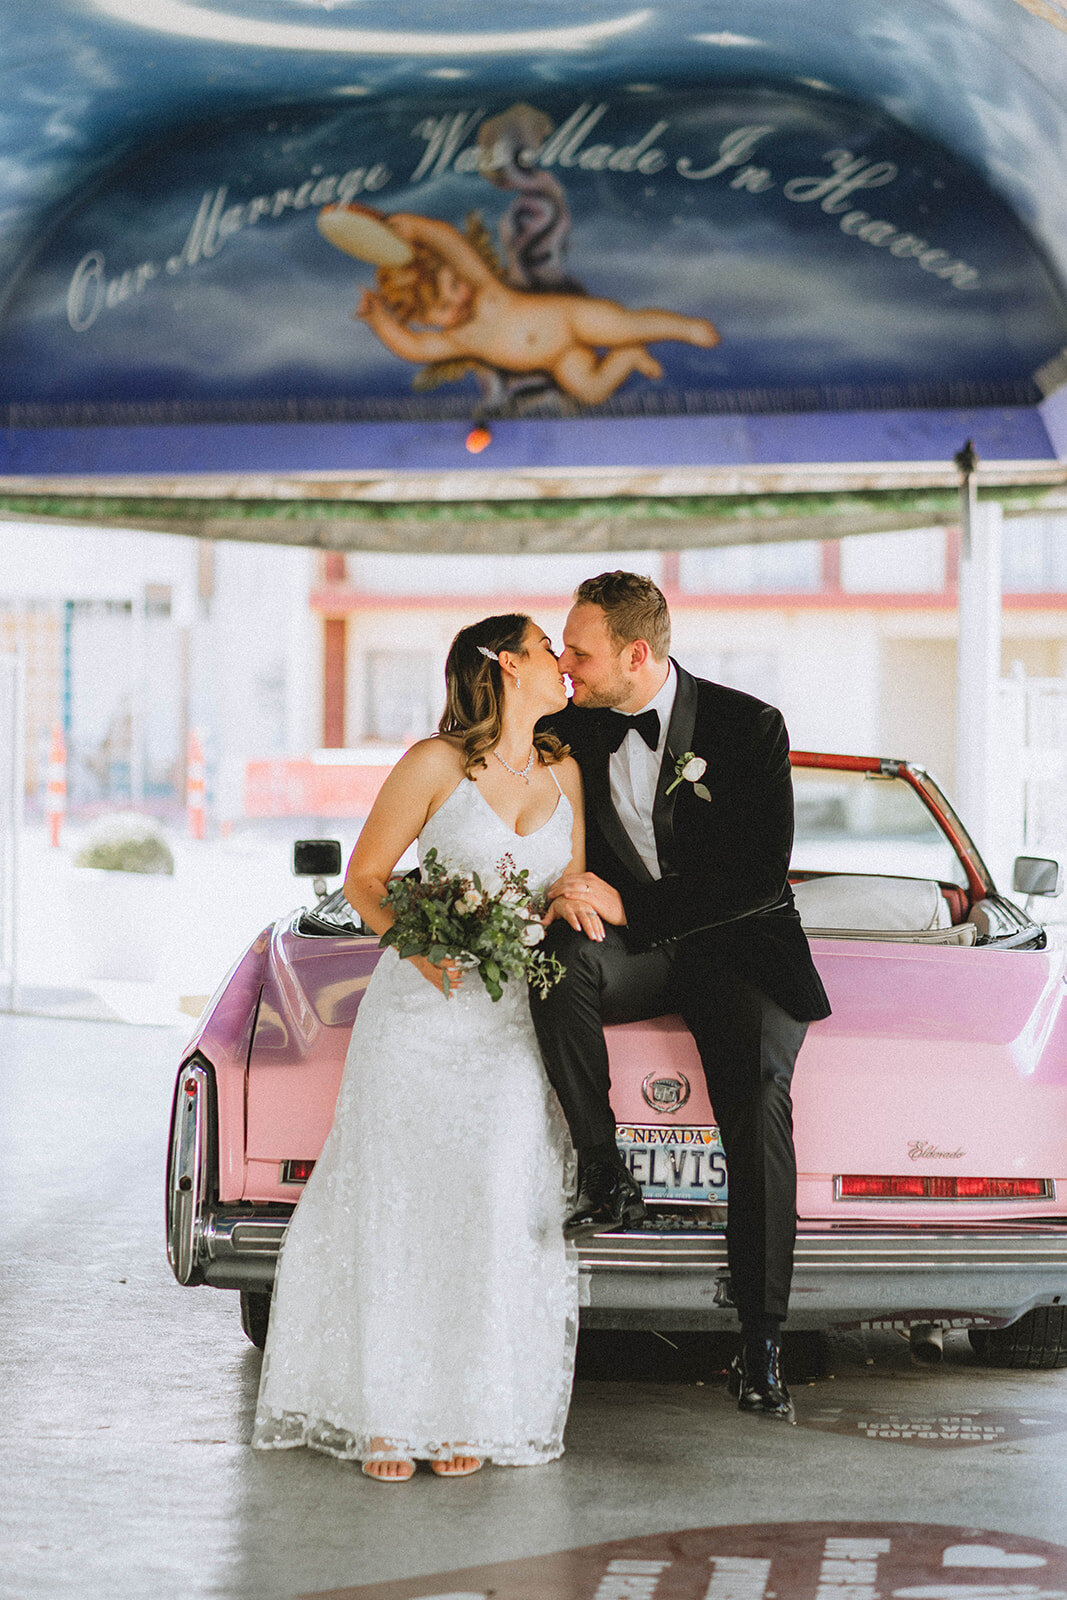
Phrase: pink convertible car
(931,1107)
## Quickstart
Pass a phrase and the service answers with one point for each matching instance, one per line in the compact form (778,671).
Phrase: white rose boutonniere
(690,768)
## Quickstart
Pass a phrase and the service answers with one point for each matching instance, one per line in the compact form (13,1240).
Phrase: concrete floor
(128,1401)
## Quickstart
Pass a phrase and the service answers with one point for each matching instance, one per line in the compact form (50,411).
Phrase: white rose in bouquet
(471,900)
(533,933)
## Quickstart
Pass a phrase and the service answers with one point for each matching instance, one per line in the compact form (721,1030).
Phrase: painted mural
(744,249)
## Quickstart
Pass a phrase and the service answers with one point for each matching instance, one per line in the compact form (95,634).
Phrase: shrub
(126,842)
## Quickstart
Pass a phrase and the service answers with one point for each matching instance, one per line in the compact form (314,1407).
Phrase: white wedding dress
(424,1294)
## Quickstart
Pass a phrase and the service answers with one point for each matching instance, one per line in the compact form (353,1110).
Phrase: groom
(690,888)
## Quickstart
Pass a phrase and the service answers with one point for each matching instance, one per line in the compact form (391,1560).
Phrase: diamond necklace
(515,773)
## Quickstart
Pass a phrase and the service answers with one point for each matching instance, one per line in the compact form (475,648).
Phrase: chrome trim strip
(838,1252)
(185,1172)
(243,1231)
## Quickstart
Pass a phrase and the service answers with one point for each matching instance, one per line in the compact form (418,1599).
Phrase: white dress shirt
(633,770)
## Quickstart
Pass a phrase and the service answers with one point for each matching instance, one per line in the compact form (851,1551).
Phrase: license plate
(680,1164)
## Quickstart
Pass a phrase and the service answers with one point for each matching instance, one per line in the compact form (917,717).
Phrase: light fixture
(728,41)
(191,20)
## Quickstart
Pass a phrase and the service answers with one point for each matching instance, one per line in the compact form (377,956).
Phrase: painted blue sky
(114,130)
(771,248)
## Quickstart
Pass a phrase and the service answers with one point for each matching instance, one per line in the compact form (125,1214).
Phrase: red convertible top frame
(979,881)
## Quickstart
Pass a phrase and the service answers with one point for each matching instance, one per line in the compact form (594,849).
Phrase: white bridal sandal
(457,1466)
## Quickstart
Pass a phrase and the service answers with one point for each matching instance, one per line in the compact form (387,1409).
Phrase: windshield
(859,822)
(336,912)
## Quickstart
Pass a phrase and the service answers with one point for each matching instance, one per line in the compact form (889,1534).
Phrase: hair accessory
(490,655)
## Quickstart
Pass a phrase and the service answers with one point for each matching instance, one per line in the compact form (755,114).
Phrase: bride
(425,1305)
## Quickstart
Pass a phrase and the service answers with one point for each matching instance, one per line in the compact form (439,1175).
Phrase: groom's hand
(578,895)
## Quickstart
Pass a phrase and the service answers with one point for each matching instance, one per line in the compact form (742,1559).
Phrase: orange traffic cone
(56,795)
(194,786)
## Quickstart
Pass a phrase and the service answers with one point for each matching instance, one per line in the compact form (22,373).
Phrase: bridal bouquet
(492,922)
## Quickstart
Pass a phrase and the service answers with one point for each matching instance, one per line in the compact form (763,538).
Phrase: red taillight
(880,1188)
(911,1187)
(1002,1188)
(191,1088)
(296,1171)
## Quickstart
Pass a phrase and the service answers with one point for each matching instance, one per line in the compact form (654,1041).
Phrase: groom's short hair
(633,608)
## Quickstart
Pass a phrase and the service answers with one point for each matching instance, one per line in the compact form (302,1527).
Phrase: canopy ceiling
(850,219)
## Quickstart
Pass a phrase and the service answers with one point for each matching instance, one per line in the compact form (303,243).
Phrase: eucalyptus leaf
(431,919)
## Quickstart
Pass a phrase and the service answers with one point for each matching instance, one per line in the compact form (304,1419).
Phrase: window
(752,569)
(894,563)
(510,576)
(754,671)
(850,822)
(1035,555)
(398,695)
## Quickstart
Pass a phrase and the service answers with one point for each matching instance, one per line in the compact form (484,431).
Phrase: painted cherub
(444,303)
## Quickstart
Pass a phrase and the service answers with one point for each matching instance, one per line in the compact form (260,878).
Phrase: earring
(518,681)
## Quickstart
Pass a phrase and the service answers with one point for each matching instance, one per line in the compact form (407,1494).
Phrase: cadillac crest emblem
(665,1094)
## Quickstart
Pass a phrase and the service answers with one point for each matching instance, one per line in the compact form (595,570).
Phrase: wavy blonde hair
(474,692)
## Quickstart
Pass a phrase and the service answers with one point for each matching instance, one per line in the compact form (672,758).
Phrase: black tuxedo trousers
(748,1045)
(716,938)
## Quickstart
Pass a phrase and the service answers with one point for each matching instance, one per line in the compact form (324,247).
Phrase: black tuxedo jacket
(725,887)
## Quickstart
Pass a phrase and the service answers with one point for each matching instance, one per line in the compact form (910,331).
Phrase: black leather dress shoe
(608,1198)
(756,1381)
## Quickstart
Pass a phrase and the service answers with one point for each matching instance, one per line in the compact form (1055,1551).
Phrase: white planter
(120,922)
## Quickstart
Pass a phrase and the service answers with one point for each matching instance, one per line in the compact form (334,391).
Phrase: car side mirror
(1037,875)
(316,858)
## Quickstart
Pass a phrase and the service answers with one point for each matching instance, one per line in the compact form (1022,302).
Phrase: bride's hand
(436,974)
(582,917)
(583,893)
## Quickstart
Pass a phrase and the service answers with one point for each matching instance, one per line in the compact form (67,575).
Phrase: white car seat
(861,906)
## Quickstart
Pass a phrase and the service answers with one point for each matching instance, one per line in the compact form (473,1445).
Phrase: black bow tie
(616,728)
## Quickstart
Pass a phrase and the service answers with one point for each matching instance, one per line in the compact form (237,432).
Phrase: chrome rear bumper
(843,1276)
(239,1246)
